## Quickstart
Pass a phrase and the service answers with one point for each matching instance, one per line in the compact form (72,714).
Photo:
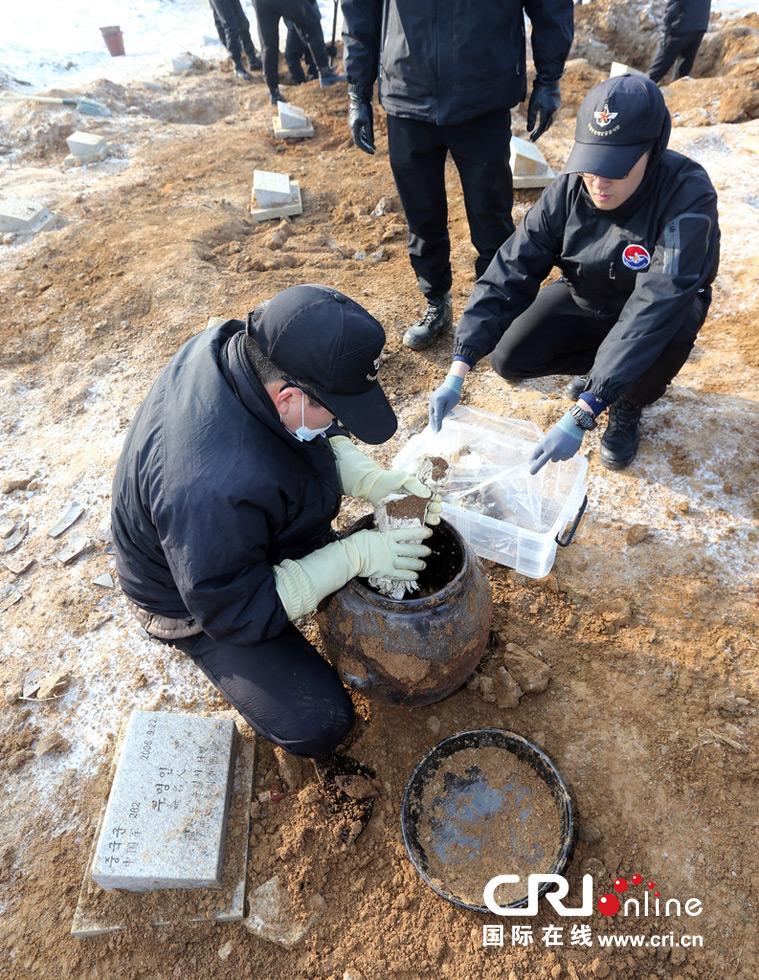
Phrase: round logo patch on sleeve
(636,257)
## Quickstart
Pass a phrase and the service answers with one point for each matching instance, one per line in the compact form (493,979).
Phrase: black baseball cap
(333,346)
(618,120)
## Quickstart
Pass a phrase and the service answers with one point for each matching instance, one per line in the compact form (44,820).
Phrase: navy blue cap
(618,120)
(332,345)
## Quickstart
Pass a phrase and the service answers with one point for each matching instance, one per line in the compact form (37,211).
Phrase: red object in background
(114,40)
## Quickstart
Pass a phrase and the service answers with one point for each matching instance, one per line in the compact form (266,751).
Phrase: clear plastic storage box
(504,513)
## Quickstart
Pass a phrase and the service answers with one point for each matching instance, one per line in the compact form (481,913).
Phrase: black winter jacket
(211,490)
(686,16)
(449,61)
(672,215)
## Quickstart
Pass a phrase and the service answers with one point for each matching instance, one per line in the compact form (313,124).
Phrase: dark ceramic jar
(419,649)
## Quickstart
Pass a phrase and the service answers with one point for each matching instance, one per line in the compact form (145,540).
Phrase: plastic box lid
(505,514)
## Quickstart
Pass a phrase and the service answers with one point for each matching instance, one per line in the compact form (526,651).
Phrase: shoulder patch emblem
(636,257)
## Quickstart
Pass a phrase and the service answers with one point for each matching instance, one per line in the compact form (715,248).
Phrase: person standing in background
(233,28)
(685,23)
(449,74)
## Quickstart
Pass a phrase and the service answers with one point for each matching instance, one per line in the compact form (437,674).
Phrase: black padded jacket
(640,265)
(449,61)
(211,490)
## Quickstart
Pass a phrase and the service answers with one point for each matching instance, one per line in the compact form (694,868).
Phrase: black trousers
(295,50)
(675,46)
(233,28)
(305,16)
(282,687)
(480,151)
(554,336)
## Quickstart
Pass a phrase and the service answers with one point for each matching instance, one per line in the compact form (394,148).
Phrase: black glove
(544,99)
(361,119)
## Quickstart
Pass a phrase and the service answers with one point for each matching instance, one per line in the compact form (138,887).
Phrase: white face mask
(303,433)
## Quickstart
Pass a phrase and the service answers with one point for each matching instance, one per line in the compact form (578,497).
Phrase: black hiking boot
(242,72)
(577,386)
(437,318)
(619,444)
(350,790)
(276,96)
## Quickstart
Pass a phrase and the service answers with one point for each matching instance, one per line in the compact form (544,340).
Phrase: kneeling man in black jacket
(632,227)
(223,498)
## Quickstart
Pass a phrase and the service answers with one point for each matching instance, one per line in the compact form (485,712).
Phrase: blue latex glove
(560,442)
(444,398)
(545,100)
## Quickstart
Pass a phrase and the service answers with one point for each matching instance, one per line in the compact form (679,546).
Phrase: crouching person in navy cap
(632,227)
(223,498)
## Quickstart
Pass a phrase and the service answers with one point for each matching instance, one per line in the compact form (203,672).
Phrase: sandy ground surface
(645,630)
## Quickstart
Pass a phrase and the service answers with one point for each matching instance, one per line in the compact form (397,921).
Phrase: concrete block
(24,217)
(271,189)
(526,158)
(617,68)
(166,819)
(84,144)
(291,122)
(294,206)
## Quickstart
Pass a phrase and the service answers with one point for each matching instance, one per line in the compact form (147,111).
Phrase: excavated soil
(638,652)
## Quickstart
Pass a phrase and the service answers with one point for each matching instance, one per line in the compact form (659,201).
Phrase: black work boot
(242,72)
(276,96)
(619,443)
(437,318)
(577,386)
(328,77)
(254,62)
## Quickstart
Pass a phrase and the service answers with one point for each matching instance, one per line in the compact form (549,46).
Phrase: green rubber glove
(302,584)
(362,477)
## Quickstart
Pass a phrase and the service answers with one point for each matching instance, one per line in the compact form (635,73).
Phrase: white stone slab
(526,158)
(294,206)
(166,819)
(617,68)
(81,143)
(271,189)
(100,912)
(291,116)
(24,217)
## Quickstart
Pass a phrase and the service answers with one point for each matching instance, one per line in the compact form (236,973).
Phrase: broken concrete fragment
(531,674)
(76,546)
(272,915)
(104,581)
(9,597)
(15,539)
(72,515)
(7,527)
(17,566)
(19,482)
